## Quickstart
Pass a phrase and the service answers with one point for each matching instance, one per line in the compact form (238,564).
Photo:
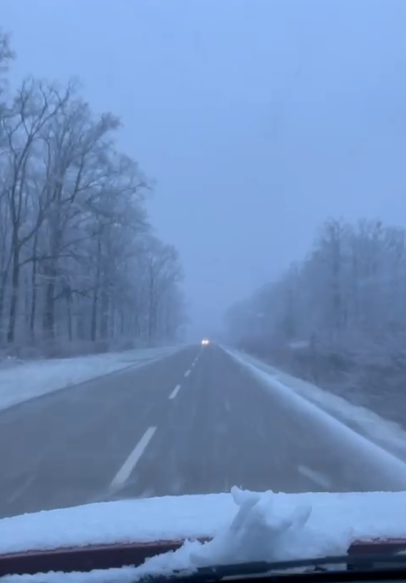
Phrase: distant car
(205,341)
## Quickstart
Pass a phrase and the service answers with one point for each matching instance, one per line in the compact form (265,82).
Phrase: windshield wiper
(346,565)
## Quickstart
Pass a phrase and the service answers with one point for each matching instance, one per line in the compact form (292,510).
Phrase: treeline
(340,313)
(79,262)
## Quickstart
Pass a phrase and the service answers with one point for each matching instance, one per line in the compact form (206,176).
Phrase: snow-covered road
(197,421)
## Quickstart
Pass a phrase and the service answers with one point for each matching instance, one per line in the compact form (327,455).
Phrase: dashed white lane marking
(317,477)
(19,491)
(187,373)
(174,392)
(124,472)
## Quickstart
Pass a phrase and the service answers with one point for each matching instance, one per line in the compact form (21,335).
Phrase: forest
(338,317)
(81,268)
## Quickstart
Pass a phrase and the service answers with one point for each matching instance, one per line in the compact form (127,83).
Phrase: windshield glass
(202,249)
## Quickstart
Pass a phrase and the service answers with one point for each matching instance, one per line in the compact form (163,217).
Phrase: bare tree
(163,272)
(77,257)
(348,294)
(33,107)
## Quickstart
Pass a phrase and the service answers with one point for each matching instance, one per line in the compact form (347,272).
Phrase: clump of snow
(33,379)
(255,533)
(387,434)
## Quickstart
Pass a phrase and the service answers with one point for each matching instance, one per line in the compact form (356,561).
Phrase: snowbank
(386,434)
(33,379)
(251,526)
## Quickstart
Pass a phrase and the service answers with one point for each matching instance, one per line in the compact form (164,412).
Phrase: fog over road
(196,421)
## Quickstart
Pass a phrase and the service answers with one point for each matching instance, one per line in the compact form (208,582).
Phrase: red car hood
(120,533)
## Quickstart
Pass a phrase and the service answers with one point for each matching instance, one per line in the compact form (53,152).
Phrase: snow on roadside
(387,434)
(33,379)
(245,526)
(378,458)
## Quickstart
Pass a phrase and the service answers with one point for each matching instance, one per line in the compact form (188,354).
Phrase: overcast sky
(257,119)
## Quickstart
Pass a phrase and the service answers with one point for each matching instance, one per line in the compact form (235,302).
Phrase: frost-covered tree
(78,259)
(350,290)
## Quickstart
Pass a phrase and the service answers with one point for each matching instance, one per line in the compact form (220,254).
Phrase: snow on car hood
(243,526)
(343,517)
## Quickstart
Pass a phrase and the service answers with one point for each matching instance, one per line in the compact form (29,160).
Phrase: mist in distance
(256,120)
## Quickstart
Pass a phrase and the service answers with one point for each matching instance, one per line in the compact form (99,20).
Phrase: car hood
(119,533)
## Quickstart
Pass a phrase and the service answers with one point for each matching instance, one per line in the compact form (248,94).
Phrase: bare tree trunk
(15,283)
(34,290)
(93,325)
(26,292)
(80,325)
(49,311)
(136,323)
(122,322)
(69,317)
(3,286)
(104,316)
(112,322)
(5,270)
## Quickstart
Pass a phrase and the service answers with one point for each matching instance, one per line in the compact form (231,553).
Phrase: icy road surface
(197,421)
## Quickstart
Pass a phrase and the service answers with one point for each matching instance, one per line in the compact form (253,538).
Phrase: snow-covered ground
(245,525)
(32,379)
(387,434)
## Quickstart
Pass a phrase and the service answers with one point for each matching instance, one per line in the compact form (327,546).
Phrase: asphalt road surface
(196,421)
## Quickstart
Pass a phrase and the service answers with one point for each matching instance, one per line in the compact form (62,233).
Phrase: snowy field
(32,379)
(386,434)
(250,526)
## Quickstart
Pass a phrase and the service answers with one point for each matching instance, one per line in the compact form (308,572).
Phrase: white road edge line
(128,466)
(174,392)
(187,373)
